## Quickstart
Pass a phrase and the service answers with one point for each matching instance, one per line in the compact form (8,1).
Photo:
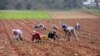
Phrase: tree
(3,4)
(40,4)
(97,3)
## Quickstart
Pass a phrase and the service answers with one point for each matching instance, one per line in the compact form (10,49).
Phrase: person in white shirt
(17,34)
(69,31)
(40,26)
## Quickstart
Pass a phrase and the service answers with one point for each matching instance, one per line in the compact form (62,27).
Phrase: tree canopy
(40,4)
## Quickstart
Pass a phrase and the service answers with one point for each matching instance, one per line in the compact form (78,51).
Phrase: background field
(23,14)
(92,11)
(72,14)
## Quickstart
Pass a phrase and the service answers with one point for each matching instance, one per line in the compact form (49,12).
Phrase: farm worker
(52,35)
(43,27)
(36,37)
(40,26)
(72,31)
(55,27)
(69,31)
(17,34)
(77,26)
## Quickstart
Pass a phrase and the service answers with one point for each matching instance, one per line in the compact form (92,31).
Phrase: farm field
(73,15)
(23,14)
(92,11)
(88,45)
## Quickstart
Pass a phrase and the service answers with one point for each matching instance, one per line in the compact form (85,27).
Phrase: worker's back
(36,35)
(70,29)
(51,34)
(17,31)
(17,34)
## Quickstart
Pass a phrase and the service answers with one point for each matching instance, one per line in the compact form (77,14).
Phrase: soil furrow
(33,47)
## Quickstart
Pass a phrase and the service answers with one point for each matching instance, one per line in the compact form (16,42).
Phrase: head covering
(63,24)
(16,30)
(34,31)
(77,23)
(13,29)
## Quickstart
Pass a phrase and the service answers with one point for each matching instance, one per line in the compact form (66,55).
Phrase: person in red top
(36,37)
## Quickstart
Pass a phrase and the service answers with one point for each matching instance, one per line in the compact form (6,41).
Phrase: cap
(34,31)
(13,29)
(77,23)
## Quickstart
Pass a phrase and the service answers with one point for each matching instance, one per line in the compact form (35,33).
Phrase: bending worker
(69,31)
(17,34)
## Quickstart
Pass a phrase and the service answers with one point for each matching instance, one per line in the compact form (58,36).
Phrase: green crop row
(23,14)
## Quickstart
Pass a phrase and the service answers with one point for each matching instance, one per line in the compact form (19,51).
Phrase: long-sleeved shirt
(17,31)
(36,36)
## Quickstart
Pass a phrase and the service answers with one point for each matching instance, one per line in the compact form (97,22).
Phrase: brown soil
(88,45)
(71,15)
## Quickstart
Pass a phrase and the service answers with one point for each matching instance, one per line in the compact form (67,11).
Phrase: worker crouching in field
(36,37)
(17,34)
(69,31)
(40,26)
(77,26)
(52,35)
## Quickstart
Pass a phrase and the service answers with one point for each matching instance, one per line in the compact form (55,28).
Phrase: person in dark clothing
(52,35)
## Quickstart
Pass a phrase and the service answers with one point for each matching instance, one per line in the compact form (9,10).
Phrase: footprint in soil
(98,55)
(48,54)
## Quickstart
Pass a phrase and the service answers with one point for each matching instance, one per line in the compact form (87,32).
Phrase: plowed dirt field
(88,45)
(89,36)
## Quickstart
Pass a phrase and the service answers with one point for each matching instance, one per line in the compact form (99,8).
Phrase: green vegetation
(25,14)
(93,11)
